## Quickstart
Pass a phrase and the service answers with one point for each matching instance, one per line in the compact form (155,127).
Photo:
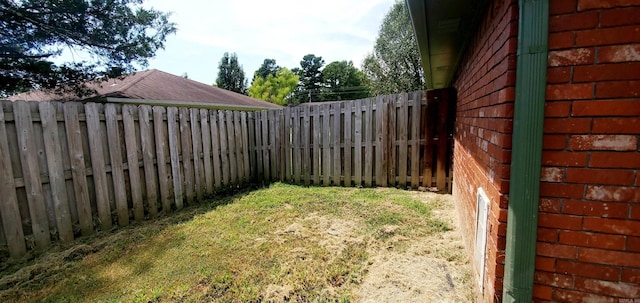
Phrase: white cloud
(285,30)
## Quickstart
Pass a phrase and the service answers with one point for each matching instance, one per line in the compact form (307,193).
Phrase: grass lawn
(283,243)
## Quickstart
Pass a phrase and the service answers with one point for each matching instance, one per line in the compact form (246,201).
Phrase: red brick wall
(589,224)
(482,152)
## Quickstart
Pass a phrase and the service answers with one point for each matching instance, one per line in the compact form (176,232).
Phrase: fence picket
(148,152)
(172,127)
(9,209)
(187,152)
(215,148)
(164,176)
(31,173)
(56,171)
(441,173)
(224,148)
(196,140)
(326,145)
(206,151)
(379,148)
(246,158)
(131,142)
(260,157)
(336,135)
(391,143)
(253,158)
(347,143)
(402,140)
(368,141)
(237,139)
(231,147)
(357,143)
(97,164)
(427,116)
(415,140)
(273,147)
(117,169)
(315,160)
(80,186)
(306,143)
(296,137)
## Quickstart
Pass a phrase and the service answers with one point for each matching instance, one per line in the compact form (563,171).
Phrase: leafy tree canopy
(276,89)
(230,74)
(342,81)
(267,68)
(394,66)
(310,78)
(116,33)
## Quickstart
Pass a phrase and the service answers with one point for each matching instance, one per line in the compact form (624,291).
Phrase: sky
(284,30)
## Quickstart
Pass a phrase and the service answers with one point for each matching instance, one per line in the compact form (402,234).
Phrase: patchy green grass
(282,243)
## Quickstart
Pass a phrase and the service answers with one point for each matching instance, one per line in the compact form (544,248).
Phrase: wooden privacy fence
(68,169)
(396,140)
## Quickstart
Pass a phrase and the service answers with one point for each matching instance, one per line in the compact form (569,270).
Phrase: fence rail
(69,169)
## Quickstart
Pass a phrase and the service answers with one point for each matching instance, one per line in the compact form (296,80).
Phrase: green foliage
(310,78)
(117,34)
(267,68)
(342,81)
(276,89)
(394,66)
(230,74)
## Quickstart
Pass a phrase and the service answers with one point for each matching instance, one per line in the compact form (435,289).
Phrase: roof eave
(443,29)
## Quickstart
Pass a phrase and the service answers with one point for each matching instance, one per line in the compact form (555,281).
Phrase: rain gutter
(526,159)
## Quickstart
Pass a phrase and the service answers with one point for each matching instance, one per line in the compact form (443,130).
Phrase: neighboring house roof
(156,88)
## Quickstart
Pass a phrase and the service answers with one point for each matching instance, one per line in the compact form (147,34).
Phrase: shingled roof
(157,88)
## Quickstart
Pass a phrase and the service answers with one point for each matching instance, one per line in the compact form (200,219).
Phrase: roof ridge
(127,86)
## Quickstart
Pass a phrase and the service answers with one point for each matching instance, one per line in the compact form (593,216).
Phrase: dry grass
(280,244)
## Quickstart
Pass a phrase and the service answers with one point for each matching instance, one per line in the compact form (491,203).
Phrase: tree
(276,89)
(267,68)
(230,74)
(310,78)
(394,66)
(342,81)
(117,35)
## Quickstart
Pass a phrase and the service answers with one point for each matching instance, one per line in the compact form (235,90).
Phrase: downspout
(526,157)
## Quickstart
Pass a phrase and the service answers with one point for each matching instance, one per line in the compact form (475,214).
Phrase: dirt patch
(432,269)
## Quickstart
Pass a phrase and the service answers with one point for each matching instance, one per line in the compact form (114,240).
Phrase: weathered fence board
(9,209)
(173,129)
(306,146)
(165,179)
(196,140)
(117,172)
(98,165)
(78,171)
(31,174)
(358,143)
(336,136)
(53,152)
(187,169)
(131,142)
(151,181)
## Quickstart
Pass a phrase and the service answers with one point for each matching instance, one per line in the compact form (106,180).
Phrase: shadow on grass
(21,280)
